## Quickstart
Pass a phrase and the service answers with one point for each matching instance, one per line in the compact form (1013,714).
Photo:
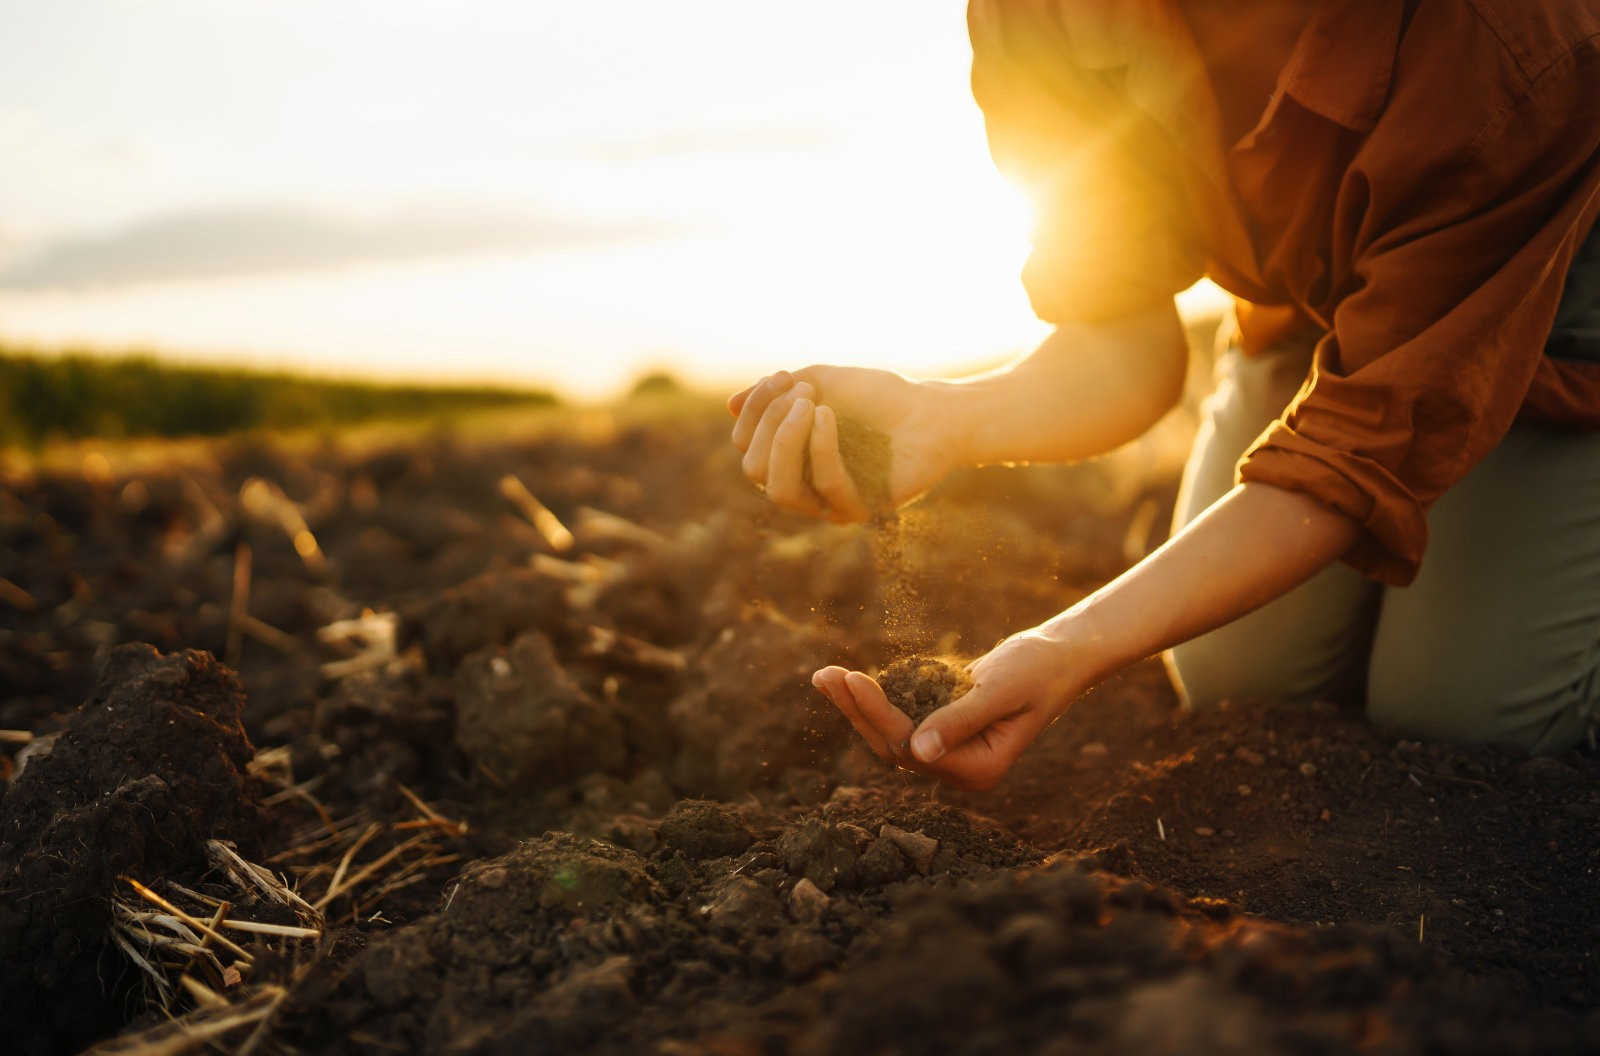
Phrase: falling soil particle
(867,455)
(921,685)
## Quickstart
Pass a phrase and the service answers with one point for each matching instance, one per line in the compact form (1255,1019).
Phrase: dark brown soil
(921,685)
(671,844)
(141,776)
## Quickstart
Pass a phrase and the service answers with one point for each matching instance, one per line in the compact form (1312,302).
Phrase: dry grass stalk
(264,500)
(151,972)
(16,597)
(269,635)
(319,836)
(199,925)
(308,842)
(346,884)
(413,873)
(586,580)
(16,737)
(302,790)
(547,524)
(196,895)
(247,874)
(374,636)
(344,865)
(633,652)
(458,828)
(595,526)
(273,764)
(204,996)
(286,931)
(239,605)
(197,1028)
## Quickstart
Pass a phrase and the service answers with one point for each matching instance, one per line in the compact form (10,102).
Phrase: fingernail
(801,408)
(816,679)
(927,745)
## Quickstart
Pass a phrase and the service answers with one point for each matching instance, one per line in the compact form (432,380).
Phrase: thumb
(956,723)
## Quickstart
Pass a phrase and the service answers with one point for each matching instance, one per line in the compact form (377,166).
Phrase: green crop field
(74,396)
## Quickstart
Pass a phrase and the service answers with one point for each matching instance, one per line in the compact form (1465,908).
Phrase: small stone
(818,851)
(914,845)
(743,905)
(1245,755)
(881,863)
(803,953)
(857,833)
(1204,830)
(807,902)
(1094,749)
(1308,769)
(1326,815)
(1245,790)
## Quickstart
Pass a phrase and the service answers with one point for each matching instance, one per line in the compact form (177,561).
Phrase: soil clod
(921,685)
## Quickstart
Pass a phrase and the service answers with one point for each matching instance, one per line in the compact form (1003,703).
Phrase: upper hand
(787,428)
(1020,687)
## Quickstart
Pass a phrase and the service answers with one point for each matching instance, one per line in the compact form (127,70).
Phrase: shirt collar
(1343,64)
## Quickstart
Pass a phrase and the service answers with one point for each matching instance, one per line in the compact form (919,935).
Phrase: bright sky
(566,193)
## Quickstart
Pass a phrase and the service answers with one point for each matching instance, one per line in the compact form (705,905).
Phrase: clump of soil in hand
(921,685)
(866,454)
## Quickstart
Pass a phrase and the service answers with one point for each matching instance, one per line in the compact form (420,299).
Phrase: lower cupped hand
(1019,688)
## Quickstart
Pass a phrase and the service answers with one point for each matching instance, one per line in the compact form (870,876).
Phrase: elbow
(1163,373)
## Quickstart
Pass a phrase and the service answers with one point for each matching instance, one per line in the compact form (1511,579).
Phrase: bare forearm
(1086,390)
(1255,544)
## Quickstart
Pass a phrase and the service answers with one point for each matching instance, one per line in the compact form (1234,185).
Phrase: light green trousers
(1497,640)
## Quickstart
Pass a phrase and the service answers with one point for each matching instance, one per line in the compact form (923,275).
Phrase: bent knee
(1478,704)
(1235,663)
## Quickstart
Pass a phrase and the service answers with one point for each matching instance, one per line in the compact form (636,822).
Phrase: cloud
(249,240)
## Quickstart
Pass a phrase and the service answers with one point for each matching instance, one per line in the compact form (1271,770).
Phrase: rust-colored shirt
(1415,188)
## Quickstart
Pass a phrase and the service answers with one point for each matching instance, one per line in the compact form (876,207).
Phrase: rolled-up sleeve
(1112,234)
(1455,279)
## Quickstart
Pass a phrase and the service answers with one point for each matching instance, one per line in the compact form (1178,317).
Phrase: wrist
(952,410)
(1089,651)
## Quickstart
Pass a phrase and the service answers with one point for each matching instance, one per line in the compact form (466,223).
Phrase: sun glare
(578,239)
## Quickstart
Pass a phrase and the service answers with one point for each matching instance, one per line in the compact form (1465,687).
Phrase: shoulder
(1537,37)
(1494,83)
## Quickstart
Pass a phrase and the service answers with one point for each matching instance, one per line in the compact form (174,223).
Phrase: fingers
(889,721)
(831,681)
(754,405)
(786,470)
(829,477)
(981,761)
(958,722)
(736,401)
(758,456)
